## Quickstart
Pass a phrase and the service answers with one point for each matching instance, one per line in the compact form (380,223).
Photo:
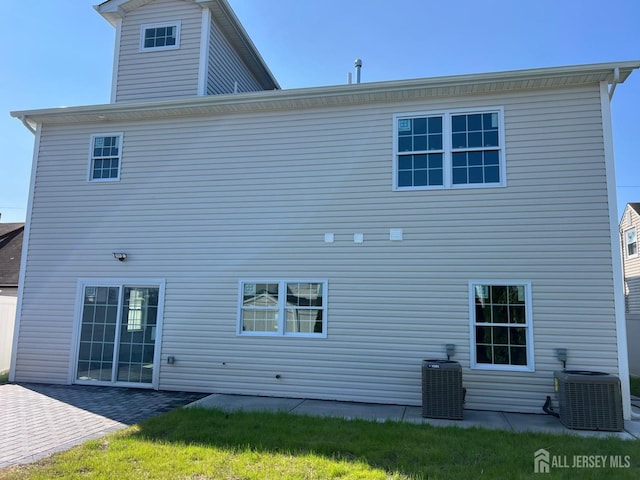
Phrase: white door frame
(159,283)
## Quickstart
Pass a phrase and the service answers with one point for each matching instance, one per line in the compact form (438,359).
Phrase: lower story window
(501,327)
(292,308)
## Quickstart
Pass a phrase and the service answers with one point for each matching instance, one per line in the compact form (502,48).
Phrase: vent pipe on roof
(358,63)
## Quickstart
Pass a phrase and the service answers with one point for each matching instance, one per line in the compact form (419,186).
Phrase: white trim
(116,61)
(121,283)
(205,34)
(144,27)
(90,178)
(25,251)
(530,367)
(281,308)
(616,254)
(447,149)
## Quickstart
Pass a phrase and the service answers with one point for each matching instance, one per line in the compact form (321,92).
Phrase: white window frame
(626,242)
(90,178)
(146,26)
(530,366)
(447,148)
(282,307)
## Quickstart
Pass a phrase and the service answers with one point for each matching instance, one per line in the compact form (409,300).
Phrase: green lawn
(4,377)
(635,386)
(209,444)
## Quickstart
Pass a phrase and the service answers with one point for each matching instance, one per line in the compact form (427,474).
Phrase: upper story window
(501,325)
(160,36)
(449,149)
(275,308)
(631,243)
(105,157)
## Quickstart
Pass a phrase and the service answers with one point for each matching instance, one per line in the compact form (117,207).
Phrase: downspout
(614,83)
(23,119)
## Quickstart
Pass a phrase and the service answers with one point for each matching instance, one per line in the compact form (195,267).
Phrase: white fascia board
(362,93)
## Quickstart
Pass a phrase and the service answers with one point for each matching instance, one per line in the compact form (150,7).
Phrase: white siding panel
(205,202)
(225,66)
(152,75)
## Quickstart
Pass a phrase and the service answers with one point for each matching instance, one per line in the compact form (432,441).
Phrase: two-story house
(629,227)
(207,231)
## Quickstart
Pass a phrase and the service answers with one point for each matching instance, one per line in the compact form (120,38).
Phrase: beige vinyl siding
(205,202)
(225,66)
(153,75)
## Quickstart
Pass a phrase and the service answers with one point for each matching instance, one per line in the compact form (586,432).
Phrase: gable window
(501,325)
(449,150)
(631,243)
(105,157)
(276,308)
(160,36)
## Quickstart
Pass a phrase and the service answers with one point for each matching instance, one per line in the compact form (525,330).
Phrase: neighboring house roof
(354,94)
(11,235)
(114,10)
(636,207)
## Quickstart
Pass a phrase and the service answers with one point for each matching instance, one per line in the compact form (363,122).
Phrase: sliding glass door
(117,338)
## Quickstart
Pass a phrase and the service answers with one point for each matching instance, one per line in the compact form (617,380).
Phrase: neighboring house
(319,242)
(629,228)
(11,237)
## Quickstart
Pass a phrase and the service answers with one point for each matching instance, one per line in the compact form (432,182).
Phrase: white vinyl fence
(7,319)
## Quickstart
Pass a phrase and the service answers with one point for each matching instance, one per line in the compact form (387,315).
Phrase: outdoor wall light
(120,256)
(451,350)
(561,355)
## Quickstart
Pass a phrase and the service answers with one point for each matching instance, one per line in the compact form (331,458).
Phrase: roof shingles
(11,235)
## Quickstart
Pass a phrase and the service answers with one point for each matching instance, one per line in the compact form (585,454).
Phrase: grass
(209,444)
(635,386)
(4,378)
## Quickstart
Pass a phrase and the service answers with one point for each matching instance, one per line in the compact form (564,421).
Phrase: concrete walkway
(515,422)
(38,420)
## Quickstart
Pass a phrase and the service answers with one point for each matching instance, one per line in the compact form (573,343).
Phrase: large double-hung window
(277,307)
(451,149)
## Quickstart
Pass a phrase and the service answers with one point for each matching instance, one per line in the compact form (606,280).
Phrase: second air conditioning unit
(589,400)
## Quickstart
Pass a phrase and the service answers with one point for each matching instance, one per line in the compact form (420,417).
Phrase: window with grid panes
(449,150)
(501,325)
(160,36)
(105,157)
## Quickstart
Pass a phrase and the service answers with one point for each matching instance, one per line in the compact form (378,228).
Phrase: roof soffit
(404,90)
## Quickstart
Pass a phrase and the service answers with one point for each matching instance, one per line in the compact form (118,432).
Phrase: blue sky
(61,54)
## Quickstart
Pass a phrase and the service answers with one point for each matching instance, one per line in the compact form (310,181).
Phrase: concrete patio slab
(350,410)
(471,418)
(247,403)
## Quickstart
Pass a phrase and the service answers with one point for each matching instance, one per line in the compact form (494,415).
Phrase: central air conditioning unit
(589,400)
(442,393)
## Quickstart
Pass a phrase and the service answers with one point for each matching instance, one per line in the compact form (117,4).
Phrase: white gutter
(614,83)
(24,121)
